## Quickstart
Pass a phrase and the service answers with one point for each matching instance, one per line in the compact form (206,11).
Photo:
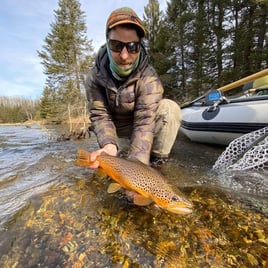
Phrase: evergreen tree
(152,21)
(201,42)
(218,11)
(260,52)
(156,43)
(49,104)
(66,56)
(178,25)
(211,43)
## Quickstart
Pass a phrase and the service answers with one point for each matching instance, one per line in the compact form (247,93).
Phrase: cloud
(24,25)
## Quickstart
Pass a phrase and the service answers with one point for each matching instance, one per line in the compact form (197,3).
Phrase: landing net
(248,152)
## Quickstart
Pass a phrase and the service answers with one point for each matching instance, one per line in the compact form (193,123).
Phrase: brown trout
(148,184)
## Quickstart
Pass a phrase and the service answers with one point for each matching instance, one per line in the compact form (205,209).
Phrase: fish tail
(83,158)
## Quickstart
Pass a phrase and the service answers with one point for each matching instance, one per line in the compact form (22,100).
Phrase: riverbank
(20,124)
(76,120)
(75,128)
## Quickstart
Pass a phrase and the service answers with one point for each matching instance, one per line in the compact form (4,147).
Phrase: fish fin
(140,200)
(83,158)
(113,187)
(101,172)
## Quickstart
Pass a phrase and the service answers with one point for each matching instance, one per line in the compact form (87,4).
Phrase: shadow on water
(76,223)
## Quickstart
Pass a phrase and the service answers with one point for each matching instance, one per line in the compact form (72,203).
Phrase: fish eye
(175,198)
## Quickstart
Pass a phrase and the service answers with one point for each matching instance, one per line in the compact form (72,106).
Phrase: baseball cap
(124,15)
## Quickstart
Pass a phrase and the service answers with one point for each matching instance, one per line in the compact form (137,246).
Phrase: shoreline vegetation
(77,120)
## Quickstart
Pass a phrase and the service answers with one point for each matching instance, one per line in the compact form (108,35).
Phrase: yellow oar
(232,85)
(244,80)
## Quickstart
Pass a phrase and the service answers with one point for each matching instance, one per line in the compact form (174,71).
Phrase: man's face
(127,56)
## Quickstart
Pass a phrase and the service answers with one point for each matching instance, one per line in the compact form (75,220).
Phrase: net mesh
(248,152)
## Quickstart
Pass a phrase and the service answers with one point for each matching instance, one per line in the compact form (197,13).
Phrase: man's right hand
(110,149)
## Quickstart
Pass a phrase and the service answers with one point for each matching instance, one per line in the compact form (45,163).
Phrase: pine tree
(207,44)
(178,25)
(152,21)
(48,105)
(67,55)
(156,42)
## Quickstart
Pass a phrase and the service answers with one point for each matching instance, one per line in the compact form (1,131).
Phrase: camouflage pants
(168,121)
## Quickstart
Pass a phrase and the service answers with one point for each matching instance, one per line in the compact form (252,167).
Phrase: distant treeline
(18,109)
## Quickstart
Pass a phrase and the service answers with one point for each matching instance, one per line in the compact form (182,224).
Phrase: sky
(24,25)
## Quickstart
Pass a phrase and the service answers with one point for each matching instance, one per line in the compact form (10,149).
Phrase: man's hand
(110,149)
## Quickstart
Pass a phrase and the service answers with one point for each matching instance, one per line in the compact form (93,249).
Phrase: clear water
(55,214)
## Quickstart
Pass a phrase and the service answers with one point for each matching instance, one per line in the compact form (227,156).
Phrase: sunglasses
(117,46)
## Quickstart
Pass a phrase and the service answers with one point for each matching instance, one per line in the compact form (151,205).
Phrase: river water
(56,214)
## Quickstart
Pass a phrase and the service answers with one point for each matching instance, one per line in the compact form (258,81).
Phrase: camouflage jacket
(133,103)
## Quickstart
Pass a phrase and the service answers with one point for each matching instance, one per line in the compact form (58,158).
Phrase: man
(126,96)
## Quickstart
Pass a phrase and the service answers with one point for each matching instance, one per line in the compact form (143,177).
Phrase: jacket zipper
(117,96)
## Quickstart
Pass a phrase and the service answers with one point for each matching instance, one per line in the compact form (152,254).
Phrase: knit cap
(124,15)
